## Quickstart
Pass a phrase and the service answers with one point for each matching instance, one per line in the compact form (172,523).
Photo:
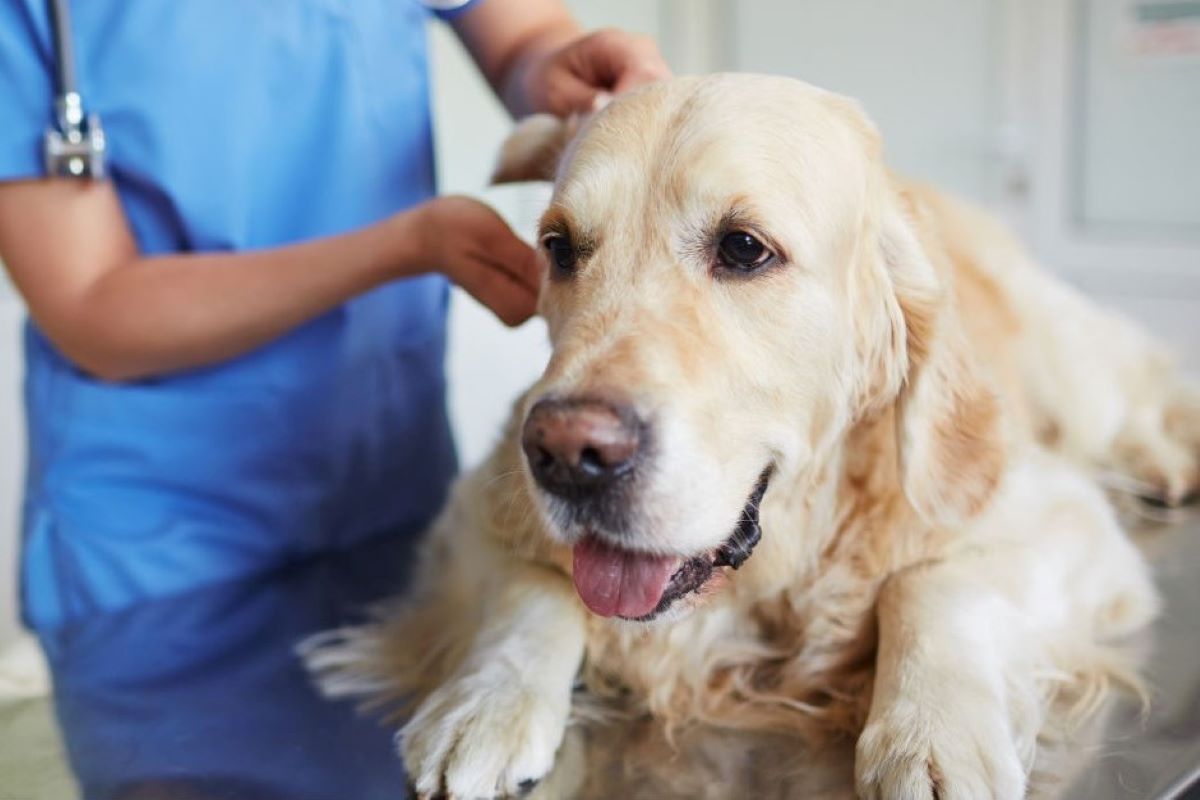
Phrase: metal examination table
(199,696)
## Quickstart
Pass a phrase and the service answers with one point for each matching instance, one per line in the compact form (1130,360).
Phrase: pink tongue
(615,582)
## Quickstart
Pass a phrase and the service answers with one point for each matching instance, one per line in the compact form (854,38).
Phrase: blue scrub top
(234,125)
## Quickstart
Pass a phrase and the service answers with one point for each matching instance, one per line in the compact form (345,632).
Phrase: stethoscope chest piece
(74,145)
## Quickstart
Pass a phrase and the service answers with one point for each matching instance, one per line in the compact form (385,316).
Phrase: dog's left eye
(741,251)
(562,252)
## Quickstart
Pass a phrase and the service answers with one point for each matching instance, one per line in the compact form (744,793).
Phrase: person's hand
(469,243)
(583,74)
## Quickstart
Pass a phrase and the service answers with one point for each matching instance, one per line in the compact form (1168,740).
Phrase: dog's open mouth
(635,585)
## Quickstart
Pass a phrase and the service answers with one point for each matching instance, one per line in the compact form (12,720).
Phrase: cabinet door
(1116,163)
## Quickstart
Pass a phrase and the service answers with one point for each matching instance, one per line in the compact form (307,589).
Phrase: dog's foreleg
(492,729)
(1041,582)
(940,722)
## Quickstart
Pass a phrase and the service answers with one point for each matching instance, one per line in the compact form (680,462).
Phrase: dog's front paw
(910,752)
(483,735)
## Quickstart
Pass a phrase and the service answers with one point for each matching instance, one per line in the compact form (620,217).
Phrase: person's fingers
(509,280)
(501,249)
(519,261)
(640,64)
(639,75)
(619,61)
(488,259)
(507,298)
(586,73)
(569,93)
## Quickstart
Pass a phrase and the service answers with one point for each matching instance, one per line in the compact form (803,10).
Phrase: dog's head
(731,281)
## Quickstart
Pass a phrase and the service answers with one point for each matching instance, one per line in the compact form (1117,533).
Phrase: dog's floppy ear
(950,428)
(532,151)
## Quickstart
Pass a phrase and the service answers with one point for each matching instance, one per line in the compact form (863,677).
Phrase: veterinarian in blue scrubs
(234,357)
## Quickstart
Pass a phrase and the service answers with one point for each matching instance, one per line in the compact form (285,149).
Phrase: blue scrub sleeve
(26,90)
(449,9)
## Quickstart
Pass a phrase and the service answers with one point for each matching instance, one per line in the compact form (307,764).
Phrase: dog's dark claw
(411,792)
(1162,503)
(1153,501)
(526,786)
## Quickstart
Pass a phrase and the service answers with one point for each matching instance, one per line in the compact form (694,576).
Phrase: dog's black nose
(577,448)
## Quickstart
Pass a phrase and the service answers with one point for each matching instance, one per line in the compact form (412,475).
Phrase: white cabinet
(1115,199)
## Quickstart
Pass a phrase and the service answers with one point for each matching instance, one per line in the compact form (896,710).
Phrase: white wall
(12,452)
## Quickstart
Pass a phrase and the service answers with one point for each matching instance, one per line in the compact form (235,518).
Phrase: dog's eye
(561,251)
(741,251)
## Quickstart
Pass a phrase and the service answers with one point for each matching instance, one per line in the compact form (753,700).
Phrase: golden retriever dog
(815,453)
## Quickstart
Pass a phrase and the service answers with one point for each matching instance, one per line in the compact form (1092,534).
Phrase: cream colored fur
(938,562)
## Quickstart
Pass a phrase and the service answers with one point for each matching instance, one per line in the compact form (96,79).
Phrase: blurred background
(1076,120)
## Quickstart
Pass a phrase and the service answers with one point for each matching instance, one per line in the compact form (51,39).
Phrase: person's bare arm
(121,316)
(536,58)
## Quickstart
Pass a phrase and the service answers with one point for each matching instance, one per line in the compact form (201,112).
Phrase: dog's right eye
(561,251)
(740,251)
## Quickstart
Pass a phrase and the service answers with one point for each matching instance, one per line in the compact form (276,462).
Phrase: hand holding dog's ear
(579,77)
(469,243)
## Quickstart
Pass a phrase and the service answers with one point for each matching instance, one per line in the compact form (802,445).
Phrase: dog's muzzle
(614,581)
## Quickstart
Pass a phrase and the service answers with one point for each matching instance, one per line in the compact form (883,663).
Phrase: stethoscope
(73,146)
